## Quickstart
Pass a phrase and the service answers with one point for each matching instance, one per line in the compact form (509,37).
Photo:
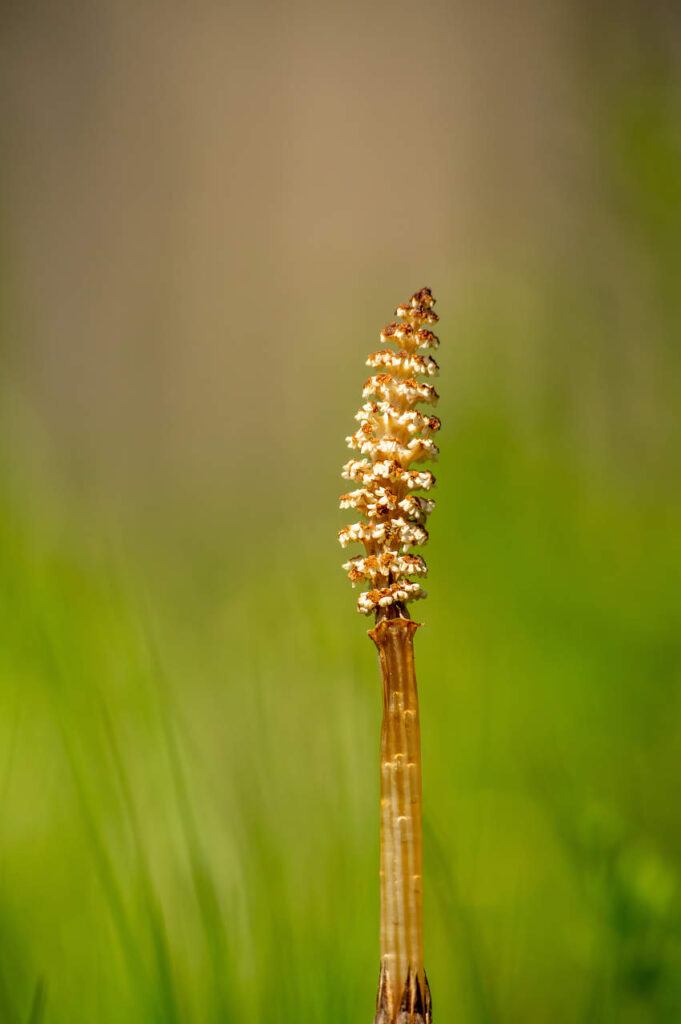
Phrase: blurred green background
(208,213)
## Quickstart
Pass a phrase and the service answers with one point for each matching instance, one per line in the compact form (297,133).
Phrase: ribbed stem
(403,993)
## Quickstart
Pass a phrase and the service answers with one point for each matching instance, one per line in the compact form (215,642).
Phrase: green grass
(189,782)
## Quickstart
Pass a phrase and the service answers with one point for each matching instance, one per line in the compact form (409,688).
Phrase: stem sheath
(403,989)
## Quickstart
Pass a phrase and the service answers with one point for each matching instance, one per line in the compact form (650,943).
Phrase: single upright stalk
(393,436)
(403,988)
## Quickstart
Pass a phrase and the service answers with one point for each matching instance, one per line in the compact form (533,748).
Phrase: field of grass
(188,757)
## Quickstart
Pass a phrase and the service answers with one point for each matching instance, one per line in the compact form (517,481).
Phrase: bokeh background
(208,212)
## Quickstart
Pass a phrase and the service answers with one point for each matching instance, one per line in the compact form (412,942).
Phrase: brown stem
(403,996)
